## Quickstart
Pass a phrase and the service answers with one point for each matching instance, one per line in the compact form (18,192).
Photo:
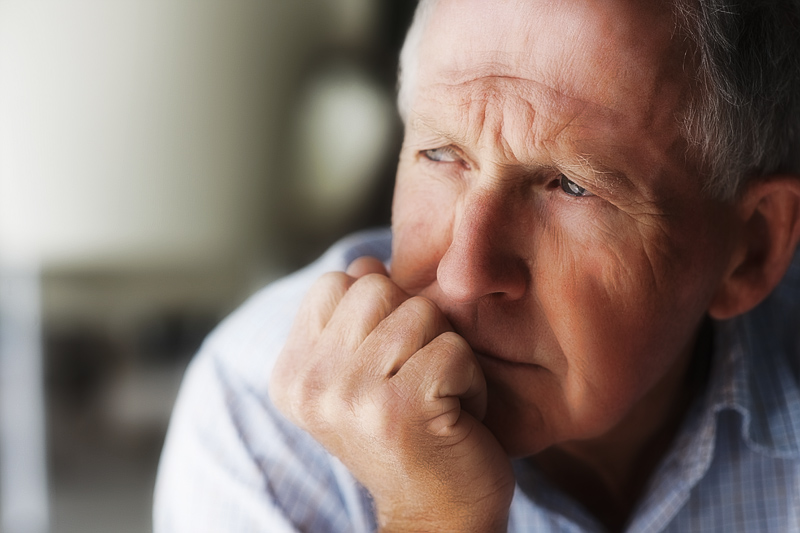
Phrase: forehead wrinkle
(527,114)
(420,121)
(482,78)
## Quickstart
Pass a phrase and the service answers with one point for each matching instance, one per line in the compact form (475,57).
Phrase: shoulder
(776,322)
(250,339)
(230,457)
(758,374)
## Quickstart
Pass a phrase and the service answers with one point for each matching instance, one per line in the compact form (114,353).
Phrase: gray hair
(409,56)
(743,116)
(745,113)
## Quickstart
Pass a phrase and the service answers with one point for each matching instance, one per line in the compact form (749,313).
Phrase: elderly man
(578,328)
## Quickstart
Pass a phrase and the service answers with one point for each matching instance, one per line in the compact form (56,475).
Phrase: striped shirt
(232,463)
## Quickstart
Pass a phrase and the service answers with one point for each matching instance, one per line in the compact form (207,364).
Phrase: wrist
(443,519)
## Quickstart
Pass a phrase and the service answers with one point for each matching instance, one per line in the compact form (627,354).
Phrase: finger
(415,323)
(290,381)
(336,315)
(366,265)
(319,305)
(446,378)
(366,303)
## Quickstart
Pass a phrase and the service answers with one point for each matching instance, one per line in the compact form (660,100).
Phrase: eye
(572,188)
(445,154)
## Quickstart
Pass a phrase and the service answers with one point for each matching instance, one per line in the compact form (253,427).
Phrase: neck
(608,475)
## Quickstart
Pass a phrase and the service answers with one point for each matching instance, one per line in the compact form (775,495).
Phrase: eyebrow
(607,178)
(418,121)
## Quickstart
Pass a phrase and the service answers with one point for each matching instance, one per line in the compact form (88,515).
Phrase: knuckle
(320,300)
(328,408)
(337,282)
(306,396)
(373,284)
(380,287)
(364,265)
(453,343)
(419,318)
(295,392)
(384,410)
(427,311)
(373,297)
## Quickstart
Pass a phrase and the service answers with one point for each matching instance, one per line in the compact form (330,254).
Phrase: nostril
(485,255)
(468,274)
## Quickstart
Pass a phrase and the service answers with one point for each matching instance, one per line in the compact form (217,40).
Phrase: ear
(768,233)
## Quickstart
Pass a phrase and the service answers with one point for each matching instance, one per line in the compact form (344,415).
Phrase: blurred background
(160,160)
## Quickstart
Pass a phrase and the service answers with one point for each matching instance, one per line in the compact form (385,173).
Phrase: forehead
(608,52)
(546,79)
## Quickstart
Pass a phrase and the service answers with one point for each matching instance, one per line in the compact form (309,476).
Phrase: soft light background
(159,161)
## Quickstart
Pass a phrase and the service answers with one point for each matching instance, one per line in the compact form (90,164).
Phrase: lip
(494,360)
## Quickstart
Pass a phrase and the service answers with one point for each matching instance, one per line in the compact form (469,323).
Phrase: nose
(483,257)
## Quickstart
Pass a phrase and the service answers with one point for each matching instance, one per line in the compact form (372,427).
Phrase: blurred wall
(159,161)
(220,142)
(146,132)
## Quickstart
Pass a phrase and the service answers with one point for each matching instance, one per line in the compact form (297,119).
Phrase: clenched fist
(379,378)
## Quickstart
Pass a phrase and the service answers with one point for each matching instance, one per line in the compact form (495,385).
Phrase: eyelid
(587,193)
(446,154)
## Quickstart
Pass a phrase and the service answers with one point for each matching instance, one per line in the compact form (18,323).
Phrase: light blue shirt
(232,463)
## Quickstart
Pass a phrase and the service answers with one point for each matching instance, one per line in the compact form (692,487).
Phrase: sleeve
(231,462)
(207,480)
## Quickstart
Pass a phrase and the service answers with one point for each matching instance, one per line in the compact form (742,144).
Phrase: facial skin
(546,203)
(554,256)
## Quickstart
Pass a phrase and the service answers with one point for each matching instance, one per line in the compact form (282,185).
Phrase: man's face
(545,202)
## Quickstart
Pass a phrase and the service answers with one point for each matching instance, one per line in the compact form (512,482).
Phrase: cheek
(615,308)
(421,230)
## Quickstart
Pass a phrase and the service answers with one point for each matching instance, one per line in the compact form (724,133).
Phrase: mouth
(487,359)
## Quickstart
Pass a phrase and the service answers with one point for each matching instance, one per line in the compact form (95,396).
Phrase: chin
(521,434)
(521,444)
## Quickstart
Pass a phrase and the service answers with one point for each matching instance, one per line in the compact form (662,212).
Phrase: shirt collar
(755,377)
(753,373)
(756,374)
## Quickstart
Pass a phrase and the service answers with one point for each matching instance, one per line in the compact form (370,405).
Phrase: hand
(380,379)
